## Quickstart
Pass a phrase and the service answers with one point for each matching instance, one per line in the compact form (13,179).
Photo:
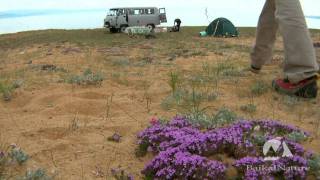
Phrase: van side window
(162,11)
(136,12)
(130,11)
(149,11)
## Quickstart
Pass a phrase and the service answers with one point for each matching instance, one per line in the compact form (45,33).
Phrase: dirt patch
(65,127)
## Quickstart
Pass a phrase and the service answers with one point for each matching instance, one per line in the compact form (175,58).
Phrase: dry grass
(136,75)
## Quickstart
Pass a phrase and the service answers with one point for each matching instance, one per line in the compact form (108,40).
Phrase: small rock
(48,67)
(115,137)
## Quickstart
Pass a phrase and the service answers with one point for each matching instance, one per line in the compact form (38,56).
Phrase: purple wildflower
(183,150)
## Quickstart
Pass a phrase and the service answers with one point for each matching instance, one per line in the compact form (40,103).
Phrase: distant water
(36,20)
(16,21)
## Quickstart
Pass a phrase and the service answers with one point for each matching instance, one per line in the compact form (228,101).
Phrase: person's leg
(300,59)
(266,35)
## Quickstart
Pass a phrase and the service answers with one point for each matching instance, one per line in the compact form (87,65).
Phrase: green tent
(222,27)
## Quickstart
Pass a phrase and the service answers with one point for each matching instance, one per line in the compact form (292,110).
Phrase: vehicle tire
(123,28)
(113,30)
(151,27)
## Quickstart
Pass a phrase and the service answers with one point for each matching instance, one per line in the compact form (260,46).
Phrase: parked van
(118,19)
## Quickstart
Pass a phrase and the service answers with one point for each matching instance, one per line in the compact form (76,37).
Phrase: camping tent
(222,27)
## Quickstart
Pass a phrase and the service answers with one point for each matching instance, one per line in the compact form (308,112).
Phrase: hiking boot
(255,69)
(306,88)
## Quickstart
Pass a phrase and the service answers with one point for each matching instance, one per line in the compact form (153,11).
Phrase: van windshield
(112,12)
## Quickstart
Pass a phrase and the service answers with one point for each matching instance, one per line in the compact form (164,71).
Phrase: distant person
(300,65)
(177,23)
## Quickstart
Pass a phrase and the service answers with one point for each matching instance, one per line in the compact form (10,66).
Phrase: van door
(135,17)
(122,18)
(162,15)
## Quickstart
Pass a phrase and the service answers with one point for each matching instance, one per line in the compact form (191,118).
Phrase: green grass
(7,88)
(259,88)
(102,38)
(248,108)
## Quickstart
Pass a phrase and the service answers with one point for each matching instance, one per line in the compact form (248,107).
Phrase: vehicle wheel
(113,30)
(123,29)
(150,26)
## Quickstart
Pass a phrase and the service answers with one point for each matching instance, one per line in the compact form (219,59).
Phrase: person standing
(300,64)
(177,24)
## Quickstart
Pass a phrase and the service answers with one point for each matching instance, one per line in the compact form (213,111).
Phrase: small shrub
(121,174)
(172,100)
(232,72)
(249,108)
(18,155)
(87,78)
(120,79)
(51,68)
(197,80)
(6,90)
(7,95)
(173,81)
(297,137)
(222,67)
(201,119)
(259,88)
(116,75)
(259,140)
(74,124)
(290,101)
(39,174)
(142,149)
(314,164)
(163,120)
(225,116)
(222,117)
(197,53)
(17,84)
(121,62)
(147,60)
(212,97)
(11,154)
(3,162)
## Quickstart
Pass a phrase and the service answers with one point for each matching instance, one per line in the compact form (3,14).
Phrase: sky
(311,7)
(191,12)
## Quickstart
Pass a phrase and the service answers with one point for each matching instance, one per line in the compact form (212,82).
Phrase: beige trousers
(287,16)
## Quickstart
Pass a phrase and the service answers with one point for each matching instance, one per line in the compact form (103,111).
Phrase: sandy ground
(64,127)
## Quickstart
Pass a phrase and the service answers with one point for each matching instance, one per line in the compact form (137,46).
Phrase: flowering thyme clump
(182,150)
(183,165)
